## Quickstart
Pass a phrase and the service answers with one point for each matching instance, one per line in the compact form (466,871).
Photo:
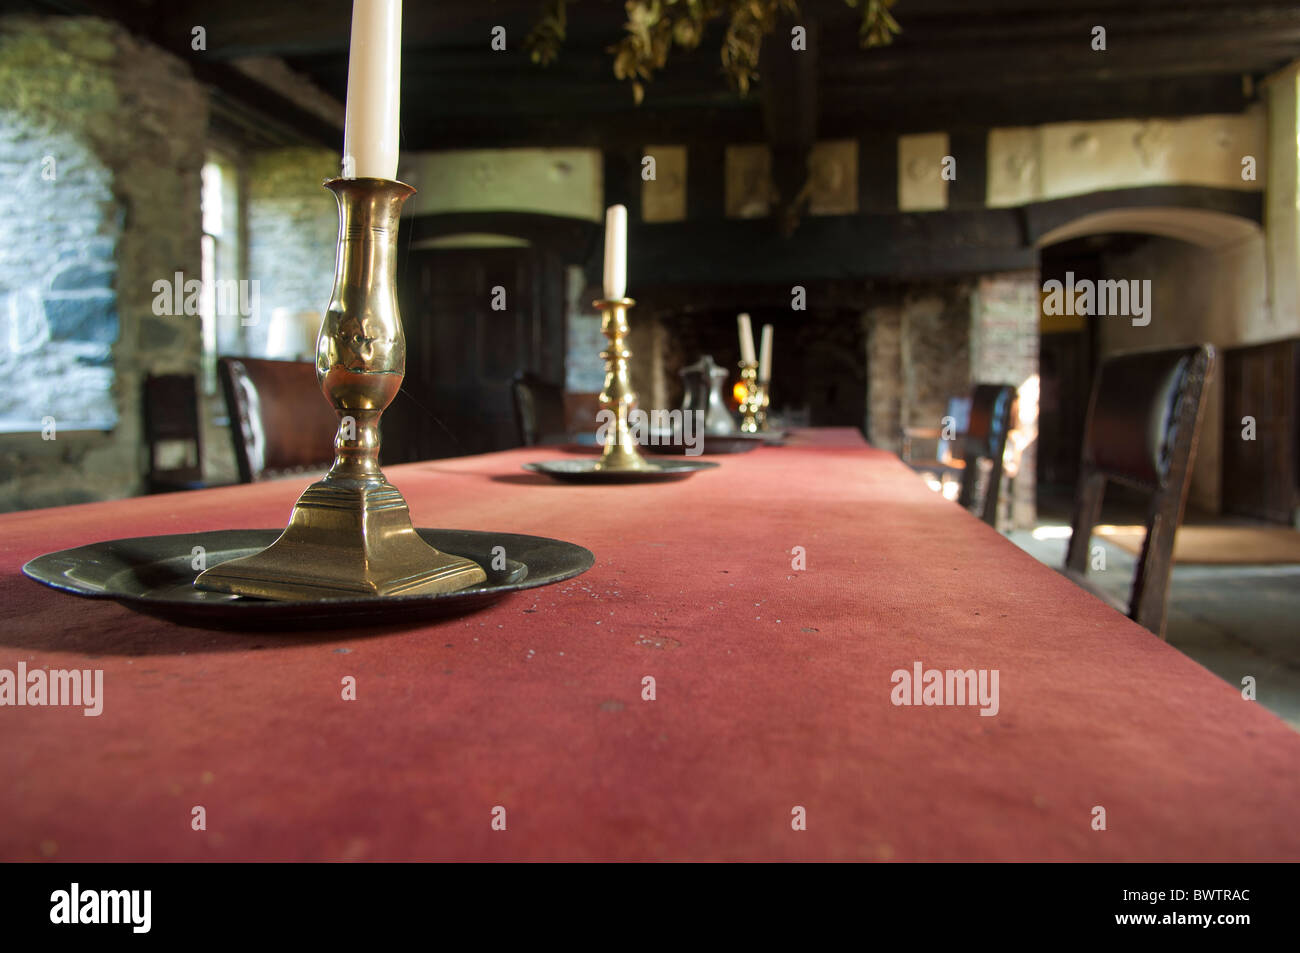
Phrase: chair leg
(1149,603)
(1087,510)
(994,493)
(1150,596)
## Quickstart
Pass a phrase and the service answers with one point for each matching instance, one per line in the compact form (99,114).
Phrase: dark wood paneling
(623,178)
(826,248)
(970,148)
(705,182)
(1261,476)
(902,245)
(878,173)
(1065,378)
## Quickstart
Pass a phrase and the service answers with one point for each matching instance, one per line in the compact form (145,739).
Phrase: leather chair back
(171,415)
(986,439)
(280,419)
(1133,421)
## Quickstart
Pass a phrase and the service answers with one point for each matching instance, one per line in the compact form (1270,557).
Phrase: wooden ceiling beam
(841,116)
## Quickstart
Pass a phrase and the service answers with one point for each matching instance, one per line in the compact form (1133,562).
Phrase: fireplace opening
(819,373)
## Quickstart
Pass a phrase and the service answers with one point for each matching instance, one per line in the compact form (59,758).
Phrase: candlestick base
(345,539)
(622,456)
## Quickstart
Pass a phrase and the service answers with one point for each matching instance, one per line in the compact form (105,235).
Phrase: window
(219,309)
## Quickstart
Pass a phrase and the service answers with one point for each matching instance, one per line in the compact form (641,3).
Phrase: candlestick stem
(617,396)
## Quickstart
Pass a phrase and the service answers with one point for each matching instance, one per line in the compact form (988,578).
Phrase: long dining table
(772,601)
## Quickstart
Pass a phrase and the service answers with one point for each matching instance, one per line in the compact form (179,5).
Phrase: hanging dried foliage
(654,27)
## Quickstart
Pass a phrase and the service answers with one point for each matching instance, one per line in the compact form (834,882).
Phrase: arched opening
(1164,277)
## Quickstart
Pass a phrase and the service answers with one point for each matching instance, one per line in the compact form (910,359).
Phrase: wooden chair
(982,441)
(171,415)
(1144,420)
(539,410)
(280,421)
(986,440)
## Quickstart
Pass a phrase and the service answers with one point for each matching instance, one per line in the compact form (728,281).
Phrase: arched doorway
(484,295)
(1198,275)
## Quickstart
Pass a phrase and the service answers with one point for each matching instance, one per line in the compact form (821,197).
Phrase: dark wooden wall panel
(1260,476)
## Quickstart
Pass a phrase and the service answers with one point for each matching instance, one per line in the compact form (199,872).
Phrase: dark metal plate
(709,444)
(154,575)
(584,471)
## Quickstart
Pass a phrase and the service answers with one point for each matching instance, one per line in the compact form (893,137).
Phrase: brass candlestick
(752,406)
(764,398)
(617,396)
(351,532)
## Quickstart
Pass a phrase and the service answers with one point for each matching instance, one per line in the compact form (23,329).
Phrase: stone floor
(1234,620)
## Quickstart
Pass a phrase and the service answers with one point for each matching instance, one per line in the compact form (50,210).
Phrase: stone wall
(101,146)
(1004,328)
(935,341)
(930,341)
(1004,350)
(917,345)
(883,327)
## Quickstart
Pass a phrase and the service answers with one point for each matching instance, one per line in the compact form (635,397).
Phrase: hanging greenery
(654,27)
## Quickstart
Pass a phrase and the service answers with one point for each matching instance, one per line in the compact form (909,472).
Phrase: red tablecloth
(773,690)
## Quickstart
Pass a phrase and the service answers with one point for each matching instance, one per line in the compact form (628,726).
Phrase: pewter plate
(584,471)
(710,444)
(154,575)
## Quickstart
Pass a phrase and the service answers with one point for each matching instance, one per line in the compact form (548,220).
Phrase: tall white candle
(765,355)
(746,339)
(615,252)
(374,90)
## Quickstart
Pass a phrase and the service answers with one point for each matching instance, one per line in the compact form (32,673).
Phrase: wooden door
(473,319)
